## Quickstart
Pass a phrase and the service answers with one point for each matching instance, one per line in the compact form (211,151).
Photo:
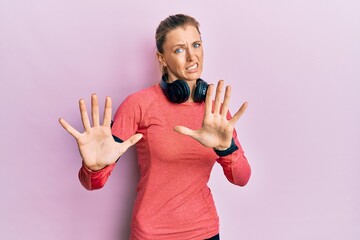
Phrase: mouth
(192,67)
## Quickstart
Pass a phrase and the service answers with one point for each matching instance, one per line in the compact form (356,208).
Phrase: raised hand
(96,144)
(216,131)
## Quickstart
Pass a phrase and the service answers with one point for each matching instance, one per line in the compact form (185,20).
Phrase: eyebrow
(179,45)
(182,45)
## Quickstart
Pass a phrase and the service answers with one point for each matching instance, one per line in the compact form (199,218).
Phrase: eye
(197,45)
(179,50)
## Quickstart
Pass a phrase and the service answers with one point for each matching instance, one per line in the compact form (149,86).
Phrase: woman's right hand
(96,144)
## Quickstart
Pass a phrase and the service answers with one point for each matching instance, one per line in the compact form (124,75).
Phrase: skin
(96,144)
(182,49)
(216,131)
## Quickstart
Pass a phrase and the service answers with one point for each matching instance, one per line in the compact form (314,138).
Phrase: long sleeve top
(173,200)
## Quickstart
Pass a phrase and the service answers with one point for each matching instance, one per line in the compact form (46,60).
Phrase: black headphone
(178,91)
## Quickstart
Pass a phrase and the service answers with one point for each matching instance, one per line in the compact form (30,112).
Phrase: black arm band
(117,139)
(230,150)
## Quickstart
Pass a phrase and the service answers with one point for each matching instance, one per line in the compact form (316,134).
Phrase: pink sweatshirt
(173,200)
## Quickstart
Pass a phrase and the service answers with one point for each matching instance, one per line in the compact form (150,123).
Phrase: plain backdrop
(297,63)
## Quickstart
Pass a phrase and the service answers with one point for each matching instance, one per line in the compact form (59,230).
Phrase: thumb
(131,141)
(185,131)
(135,138)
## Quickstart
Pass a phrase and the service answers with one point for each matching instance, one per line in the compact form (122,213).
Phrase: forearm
(236,169)
(235,165)
(92,180)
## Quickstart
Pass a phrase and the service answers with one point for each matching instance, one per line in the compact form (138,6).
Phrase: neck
(192,85)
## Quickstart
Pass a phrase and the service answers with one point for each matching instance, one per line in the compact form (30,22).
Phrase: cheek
(176,61)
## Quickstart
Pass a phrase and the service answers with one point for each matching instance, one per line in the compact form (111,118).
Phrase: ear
(161,59)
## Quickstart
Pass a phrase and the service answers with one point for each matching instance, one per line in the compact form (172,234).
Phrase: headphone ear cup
(200,90)
(178,91)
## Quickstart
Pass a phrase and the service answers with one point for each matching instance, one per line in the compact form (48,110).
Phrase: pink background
(297,63)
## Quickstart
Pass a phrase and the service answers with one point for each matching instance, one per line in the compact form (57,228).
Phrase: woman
(173,199)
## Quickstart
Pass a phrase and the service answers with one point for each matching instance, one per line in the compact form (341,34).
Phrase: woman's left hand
(216,131)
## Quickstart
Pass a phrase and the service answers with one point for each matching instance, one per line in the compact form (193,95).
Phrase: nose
(190,55)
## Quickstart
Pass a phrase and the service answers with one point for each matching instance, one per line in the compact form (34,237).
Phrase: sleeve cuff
(117,139)
(230,150)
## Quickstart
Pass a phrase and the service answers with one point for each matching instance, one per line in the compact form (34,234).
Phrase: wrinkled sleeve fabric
(92,180)
(123,127)
(235,165)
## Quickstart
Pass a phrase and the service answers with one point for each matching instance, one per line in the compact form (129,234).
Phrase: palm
(97,147)
(216,131)
(96,144)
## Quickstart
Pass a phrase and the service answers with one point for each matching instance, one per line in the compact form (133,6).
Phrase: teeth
(192,67)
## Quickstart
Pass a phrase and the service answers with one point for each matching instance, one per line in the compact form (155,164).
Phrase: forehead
(182,35)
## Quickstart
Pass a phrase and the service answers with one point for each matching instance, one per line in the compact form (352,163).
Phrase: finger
(95,110)
(131,141)
(185,131)
(73,132)
(225,105)
(107,112)
(238,114)
(217,104)
(84,115)
(208,99)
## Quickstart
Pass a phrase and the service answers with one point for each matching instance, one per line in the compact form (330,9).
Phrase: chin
(194,76)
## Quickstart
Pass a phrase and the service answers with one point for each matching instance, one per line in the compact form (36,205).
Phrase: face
(183,54)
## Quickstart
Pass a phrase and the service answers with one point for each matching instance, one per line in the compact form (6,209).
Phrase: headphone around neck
(178,91)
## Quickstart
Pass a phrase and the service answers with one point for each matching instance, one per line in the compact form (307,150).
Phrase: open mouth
(193,67)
